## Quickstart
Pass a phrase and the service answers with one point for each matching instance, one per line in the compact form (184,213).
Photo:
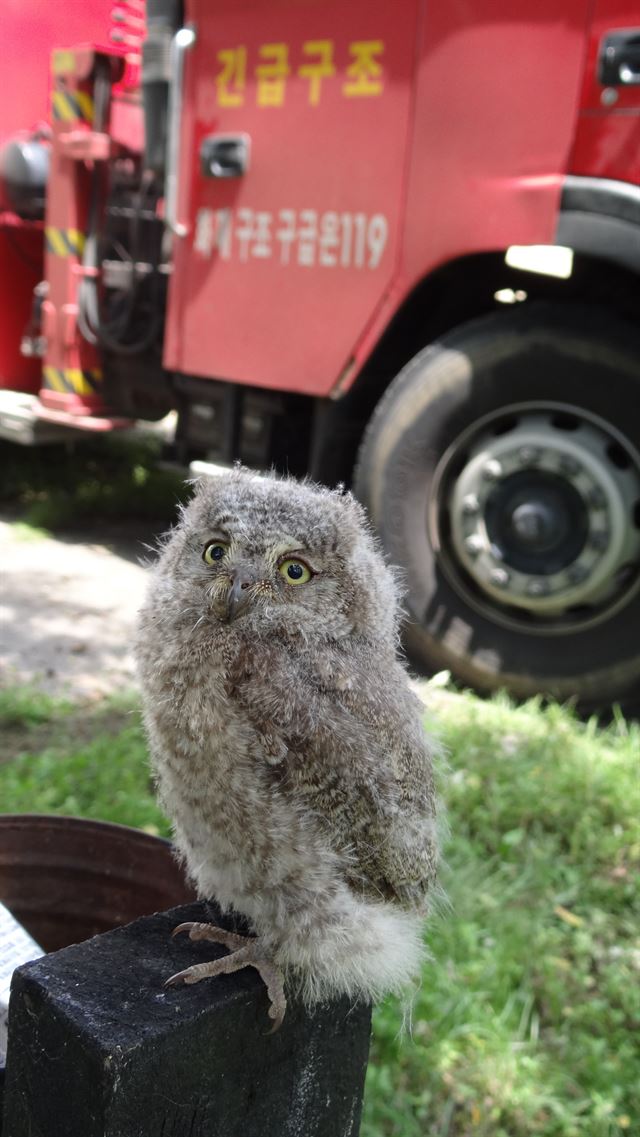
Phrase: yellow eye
(214,552)
(295,572)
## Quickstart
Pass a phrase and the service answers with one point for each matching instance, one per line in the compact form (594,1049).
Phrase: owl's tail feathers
(365,951)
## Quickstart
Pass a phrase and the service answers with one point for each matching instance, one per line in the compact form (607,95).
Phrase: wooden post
(99,1048)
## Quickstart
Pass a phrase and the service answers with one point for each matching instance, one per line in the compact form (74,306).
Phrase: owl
(287,745)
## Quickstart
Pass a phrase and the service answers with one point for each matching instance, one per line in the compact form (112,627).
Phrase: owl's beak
(239,597)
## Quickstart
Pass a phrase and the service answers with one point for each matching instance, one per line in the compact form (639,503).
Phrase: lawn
(94,480)
(526,1021)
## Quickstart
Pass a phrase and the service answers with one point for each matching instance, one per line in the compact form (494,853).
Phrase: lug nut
(499,577)
(474,544)
(596,498)
(577,573)
(492,470)
(529,455)
(599,540)
(538,588)
(470,504)
(569,466)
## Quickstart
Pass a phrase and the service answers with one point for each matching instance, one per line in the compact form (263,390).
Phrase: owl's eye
(295,572)
(214,552)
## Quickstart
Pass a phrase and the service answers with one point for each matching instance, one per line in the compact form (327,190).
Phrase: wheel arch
(452,295)
(600,218)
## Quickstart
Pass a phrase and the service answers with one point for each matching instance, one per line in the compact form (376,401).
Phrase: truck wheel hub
(536,522)
(543,512)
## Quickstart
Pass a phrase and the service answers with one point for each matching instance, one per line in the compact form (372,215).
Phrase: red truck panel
(495,97)
(497,92)
(498,89)
(283,267)
(20,271)
(29,32)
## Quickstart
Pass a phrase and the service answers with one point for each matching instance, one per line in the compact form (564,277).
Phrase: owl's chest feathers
(232,812)
(233,718)
(194,730)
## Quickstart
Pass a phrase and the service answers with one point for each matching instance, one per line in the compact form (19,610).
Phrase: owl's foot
(245,951)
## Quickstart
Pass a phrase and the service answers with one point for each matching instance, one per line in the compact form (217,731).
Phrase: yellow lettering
(272,74)
(365,71)
(318,69)
(231,79)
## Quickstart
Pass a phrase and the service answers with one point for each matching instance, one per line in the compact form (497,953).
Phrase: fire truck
(395,245)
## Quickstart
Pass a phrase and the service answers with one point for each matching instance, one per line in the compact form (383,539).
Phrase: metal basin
(66,878)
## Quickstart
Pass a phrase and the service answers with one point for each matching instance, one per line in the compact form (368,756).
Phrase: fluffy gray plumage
(288,747)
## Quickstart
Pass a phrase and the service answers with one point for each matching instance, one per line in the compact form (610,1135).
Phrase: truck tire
(501,470)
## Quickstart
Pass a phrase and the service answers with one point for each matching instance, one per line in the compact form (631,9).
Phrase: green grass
(106,778)
(115,476)
(525,1022)
(26,706)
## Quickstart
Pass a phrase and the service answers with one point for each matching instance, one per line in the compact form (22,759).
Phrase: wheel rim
(535,512)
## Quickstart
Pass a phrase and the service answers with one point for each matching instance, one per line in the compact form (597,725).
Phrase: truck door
(293,143)
(607,141)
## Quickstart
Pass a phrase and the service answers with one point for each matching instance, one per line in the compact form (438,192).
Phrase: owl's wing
(380,803)
(358,756)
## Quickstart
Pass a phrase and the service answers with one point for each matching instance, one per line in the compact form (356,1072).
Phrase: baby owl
(287,745)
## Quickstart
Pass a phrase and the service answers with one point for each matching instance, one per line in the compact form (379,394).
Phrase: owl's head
(274,555)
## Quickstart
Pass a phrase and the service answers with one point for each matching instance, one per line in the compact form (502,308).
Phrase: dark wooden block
(99,1048)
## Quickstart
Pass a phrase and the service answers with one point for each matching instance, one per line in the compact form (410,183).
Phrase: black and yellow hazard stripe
(71,106)
(64,242)
(72,380)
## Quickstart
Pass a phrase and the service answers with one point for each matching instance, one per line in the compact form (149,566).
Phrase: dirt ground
(67,610)
(68,606)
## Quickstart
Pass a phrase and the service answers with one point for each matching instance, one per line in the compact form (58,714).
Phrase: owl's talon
(244,951)
(197,931)
(272,978)
(181,928)
(179,977)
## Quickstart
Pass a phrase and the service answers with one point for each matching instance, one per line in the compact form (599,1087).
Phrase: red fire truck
(396,245)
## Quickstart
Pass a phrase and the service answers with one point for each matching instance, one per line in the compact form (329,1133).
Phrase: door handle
(619,59)
(180,44)
(225,155)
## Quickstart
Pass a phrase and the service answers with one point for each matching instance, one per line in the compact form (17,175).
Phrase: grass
(115,476)
(525,1022)
(25,707)
(105,777)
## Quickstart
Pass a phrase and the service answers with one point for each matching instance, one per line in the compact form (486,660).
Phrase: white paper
(16,947)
